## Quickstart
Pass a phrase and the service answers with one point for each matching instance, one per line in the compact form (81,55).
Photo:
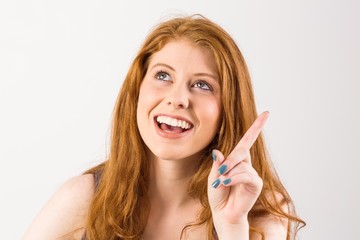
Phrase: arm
(65,211)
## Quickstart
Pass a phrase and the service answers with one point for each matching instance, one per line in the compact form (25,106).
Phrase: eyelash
(160,72)
(209,88)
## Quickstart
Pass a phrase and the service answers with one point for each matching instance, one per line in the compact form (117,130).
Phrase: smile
(172,125)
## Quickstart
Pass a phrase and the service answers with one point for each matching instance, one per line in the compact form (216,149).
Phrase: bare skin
(232,199)
(65,211)
(170,201)
(183,85)
(68,206)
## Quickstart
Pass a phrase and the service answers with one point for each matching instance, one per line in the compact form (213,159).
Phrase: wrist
(232,231)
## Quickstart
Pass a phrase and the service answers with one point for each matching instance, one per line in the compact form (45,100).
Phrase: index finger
(253,132)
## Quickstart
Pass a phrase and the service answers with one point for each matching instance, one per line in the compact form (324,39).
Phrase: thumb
(218,158)
(216,191)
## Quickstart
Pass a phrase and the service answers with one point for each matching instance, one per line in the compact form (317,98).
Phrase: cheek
(211,112)
(145,96)
(149,97)
(141,107)
(148,93)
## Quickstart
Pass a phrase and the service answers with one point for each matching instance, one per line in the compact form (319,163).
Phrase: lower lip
(170,135)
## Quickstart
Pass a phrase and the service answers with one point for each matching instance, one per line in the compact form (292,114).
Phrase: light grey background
(63,62)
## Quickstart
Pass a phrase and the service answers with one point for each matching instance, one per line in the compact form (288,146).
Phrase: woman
(187,93)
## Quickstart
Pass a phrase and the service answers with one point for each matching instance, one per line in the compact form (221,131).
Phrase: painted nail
(227,181)
(213,155)
(216,183)
(222,169)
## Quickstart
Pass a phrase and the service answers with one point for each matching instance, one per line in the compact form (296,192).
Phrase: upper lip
(175,117)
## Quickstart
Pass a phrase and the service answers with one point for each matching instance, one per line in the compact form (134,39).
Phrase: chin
(169,153)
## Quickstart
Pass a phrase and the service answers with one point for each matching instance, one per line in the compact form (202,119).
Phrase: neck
(169,180)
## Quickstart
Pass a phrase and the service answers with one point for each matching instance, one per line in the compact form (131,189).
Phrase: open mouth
(172,125)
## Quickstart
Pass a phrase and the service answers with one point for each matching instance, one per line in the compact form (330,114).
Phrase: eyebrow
(196,74)
(164,65)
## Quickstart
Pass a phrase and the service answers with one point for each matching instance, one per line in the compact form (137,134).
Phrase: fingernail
(216,183)
(222,169)
(227,181)
(213,155)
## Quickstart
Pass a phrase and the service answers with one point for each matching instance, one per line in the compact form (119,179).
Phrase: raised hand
(233,184)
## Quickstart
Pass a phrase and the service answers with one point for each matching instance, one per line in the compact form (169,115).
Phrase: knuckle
(246,167)
(255,177)
(259,181)
(242,150)
(247,154)
(230,161)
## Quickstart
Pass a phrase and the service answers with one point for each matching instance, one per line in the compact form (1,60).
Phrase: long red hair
(120,206)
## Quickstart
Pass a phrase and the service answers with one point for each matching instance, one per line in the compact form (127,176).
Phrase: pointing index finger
(253,132)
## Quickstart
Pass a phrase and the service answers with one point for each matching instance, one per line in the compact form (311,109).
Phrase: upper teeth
(173,122)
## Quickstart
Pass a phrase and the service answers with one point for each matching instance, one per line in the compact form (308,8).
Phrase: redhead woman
(187,158)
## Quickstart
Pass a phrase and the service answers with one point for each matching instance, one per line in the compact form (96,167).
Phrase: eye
(203,85)
(162,75)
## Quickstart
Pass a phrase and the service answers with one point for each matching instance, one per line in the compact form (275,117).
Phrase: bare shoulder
(65,211)
(274,227)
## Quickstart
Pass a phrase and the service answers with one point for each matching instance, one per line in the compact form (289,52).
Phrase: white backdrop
(63,62)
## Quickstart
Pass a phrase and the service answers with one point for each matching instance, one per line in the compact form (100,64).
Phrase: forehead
(181,53)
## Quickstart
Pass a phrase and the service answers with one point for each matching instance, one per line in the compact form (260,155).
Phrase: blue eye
(163,76)
(202,85)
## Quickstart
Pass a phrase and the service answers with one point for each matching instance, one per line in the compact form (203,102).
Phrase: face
(179,108)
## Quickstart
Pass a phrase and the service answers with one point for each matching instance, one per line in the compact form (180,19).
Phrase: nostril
(178,103)
(182,103)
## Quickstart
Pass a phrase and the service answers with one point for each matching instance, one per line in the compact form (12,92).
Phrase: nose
(178,98)
(179,103)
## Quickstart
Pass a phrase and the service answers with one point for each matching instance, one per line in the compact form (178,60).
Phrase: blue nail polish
(213,155)
(227,181)
(222,169)
(216,183)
